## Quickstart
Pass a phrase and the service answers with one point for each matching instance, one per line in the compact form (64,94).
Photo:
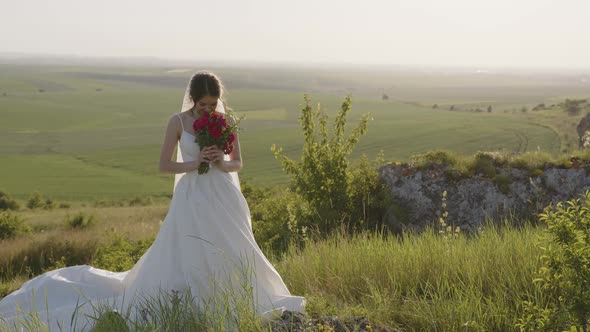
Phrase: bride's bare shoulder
(175,124)
(174,119)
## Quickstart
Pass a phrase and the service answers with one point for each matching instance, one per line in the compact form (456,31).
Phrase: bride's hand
(205,155)
(215,154)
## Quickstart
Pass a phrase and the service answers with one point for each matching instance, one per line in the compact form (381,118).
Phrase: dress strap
(178,115)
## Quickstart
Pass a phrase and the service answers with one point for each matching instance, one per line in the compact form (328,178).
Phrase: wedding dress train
(205,236)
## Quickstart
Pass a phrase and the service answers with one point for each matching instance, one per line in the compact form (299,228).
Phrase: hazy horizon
(456,33)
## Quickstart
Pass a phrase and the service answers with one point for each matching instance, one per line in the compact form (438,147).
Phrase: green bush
(484,163)
(11,225)
(80,220)
(35,200)
(120,254)
(368,195)
(254,195)
(49,204)
(565,272)
(282,218)
(141,201)
(323,177)
(425,160)
(8,203)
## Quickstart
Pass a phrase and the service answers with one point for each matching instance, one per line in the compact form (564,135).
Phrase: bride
(205,245)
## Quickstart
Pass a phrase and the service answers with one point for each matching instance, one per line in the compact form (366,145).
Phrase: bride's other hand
(205,156)
(215,153)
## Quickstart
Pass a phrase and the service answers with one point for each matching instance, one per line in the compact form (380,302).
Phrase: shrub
(11,225)
(80,220)
(484,164)
(283,218)
(424,160)
(8,203)
(368,195)
(35,200)
(254,195)
(120,254)
(49,204)
(323,176)
(141,201)
(565,271)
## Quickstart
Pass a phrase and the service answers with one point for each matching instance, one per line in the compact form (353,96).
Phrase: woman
(205,246)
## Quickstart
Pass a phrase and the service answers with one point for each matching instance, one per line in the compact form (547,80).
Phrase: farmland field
(92,132)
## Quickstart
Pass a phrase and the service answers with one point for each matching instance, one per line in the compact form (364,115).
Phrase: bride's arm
(170,141)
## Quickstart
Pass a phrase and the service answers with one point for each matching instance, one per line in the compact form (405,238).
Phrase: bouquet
(213,129)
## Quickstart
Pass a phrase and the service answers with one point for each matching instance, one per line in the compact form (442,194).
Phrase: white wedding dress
(205,235)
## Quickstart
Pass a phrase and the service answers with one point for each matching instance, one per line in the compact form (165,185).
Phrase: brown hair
(203,84)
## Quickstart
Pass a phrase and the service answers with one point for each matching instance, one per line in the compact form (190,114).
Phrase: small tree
(323,176)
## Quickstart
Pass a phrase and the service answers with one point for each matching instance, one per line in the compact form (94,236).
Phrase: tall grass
(417,282)
(421,281)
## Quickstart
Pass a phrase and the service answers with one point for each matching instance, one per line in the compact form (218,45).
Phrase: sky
(494,33)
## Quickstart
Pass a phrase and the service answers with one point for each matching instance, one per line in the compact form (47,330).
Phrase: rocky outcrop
(512,193)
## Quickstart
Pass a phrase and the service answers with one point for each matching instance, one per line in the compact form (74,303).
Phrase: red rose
(214,130)
(200,123)
(228,148)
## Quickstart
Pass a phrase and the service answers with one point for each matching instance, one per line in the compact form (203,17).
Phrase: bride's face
(206,104)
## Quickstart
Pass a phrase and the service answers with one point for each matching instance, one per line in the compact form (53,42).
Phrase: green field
(86,133)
